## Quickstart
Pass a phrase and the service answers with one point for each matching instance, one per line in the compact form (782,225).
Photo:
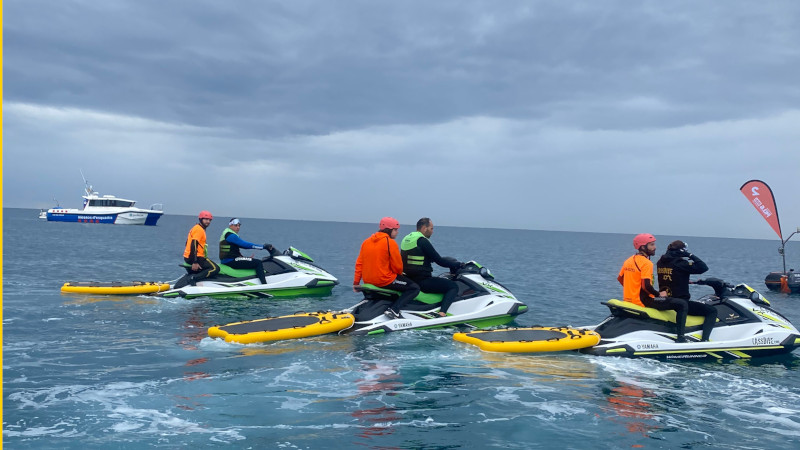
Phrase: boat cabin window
(112,203)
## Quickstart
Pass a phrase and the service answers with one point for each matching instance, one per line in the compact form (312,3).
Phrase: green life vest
(226,249)
(415,263)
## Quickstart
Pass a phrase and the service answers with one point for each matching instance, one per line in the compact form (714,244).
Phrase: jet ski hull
(746,327)
(481,303)
(766,344)
(289,275)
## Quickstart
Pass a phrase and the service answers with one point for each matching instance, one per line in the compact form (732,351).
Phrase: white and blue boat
(105,209)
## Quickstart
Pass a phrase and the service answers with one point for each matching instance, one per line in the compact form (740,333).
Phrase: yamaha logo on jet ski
(397,326)
(746,327)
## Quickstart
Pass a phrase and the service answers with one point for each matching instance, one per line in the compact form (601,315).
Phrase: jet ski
(291,274)
(481,302)
(746,327)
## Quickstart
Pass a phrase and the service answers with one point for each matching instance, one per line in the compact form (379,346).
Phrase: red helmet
(643,239)
(205,215)
(389,223)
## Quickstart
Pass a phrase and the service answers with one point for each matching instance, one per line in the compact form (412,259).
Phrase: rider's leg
(441,286)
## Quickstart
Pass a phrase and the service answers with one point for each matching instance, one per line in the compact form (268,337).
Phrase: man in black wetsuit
(674,268)
(418,254)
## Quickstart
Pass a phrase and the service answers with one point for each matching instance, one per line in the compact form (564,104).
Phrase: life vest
(785,285)
(197,233)
(228,250)
(415,264)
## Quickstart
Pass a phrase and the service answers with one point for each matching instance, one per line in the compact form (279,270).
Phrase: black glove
(268,247)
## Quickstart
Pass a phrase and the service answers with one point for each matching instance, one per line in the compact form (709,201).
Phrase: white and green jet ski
(481,302)
(746,327)
(291,274)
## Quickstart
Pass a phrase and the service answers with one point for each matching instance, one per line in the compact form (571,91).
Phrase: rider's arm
(395,260)
(433,255)
(647,285)
(193,250)
(234,239)
(357,274)
(691,264)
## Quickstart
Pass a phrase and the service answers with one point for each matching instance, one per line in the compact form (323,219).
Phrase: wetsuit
(674,268)
(197,252)
(230,254)
(418,254)
(379,263)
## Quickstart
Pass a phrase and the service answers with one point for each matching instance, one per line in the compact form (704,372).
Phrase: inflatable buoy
(528,340)
(293,326)
(114,288)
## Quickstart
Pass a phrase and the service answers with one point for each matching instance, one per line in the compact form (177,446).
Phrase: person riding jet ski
(636,278)
(674,268)
(230,245)
(379,263)
(196,252)
(418,254)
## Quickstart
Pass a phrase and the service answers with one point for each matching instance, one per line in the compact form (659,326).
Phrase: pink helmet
(205,215)
(643,239)
(389,223)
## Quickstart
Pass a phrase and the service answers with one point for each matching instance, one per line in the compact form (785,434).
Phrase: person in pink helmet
(636,278)
(379,263)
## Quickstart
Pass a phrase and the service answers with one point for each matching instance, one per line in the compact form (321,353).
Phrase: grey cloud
(544,110)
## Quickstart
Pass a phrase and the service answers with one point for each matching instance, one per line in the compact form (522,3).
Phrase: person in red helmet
(196,252)
(379,263)
(636,278)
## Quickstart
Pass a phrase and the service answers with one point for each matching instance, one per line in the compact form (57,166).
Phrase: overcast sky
(606,116)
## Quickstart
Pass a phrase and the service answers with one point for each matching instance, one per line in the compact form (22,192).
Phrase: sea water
(93,371)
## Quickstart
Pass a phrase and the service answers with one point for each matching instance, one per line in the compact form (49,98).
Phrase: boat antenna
(88,187)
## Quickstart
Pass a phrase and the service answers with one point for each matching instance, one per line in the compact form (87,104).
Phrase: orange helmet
(389,223)
(643,239)
(205,215)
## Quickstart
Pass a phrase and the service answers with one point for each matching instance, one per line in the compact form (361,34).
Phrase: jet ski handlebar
(720,286)
(474,267)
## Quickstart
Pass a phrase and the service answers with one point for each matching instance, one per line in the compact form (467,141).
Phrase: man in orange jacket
(196,252)
(379,263)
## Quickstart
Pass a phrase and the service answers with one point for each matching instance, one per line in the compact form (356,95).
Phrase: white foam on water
(217,344)
(112,407)
(295,403)
(34,432)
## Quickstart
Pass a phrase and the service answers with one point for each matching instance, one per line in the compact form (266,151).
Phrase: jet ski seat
(628,308)
(373,292)
(271,267)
